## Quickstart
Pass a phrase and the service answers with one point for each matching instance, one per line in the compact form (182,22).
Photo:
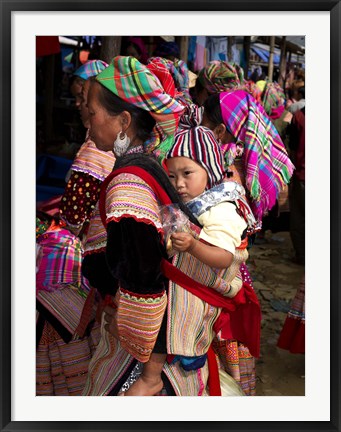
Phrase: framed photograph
(22,22)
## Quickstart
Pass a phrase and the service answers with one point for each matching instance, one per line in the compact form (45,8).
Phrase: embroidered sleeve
(128,196)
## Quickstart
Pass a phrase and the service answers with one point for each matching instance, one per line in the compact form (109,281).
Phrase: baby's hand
(183,241)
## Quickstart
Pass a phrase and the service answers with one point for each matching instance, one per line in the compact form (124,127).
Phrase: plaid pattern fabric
(266,162)
(133,82)
(60,261)
(219,76)
(90,68)
(273,99)
(180,74)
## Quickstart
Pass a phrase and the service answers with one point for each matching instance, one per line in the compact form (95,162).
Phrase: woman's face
(76,91)
(104,127)
(220,132)
(84,111)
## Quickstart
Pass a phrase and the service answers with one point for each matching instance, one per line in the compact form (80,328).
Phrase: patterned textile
(79,199)
(111,362)
(227,282)
(219,76)
(292,337)
(191,117)
(161,68)
(129,196)
(90,167)
(41,227)
(139,318)
(96,237)
(62,364)
(273,100)
(133,82)
(62,368)
(199,144)
(253,89)
(91,160)
(180,74)
(90,68)
(61,256)
(236,360)
(223,192)
(267,165)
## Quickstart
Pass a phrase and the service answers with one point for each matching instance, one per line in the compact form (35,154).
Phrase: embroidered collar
(135,149)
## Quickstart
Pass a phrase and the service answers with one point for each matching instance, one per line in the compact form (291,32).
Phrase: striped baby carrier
(199,305)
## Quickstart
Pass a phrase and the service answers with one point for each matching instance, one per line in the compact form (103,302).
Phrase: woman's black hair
(148,163)
(301,92)
(143,122)
(212,110)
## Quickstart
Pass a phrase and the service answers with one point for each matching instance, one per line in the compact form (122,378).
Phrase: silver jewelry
(121,144)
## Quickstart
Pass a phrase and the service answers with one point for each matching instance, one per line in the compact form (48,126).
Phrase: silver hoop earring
(121,144)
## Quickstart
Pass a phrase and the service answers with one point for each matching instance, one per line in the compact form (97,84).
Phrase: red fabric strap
(242,324)
(203,292)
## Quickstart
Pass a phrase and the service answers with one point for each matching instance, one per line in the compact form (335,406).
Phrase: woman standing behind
(257,158)
(90,167)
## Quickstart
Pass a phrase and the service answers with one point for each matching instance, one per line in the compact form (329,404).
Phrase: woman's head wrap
(90,68)
(134,83)
(273,100)
(266,162)
(180,74)
(199,144)
(220,76)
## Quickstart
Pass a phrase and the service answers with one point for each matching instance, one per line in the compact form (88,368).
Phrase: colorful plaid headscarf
(266,162)
(180,74)
(253,89)
(219,76)
(199,144)
(133,82)
(90,68)
(273,100)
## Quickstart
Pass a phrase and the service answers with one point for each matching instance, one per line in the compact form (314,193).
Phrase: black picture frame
(7,7)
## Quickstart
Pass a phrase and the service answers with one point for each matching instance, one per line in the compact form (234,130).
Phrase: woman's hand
(183,241)
(110,320)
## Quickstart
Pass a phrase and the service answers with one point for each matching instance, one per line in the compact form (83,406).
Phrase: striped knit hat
(199,144)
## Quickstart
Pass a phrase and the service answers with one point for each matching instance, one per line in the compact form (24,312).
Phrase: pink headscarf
(265,159)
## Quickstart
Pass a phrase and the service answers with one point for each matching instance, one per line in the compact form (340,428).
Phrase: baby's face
(188,177)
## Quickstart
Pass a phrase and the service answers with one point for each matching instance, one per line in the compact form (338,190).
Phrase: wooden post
(184,41)
(111,47)
(271,58)
(282,63)
(230,41)
(247,45)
